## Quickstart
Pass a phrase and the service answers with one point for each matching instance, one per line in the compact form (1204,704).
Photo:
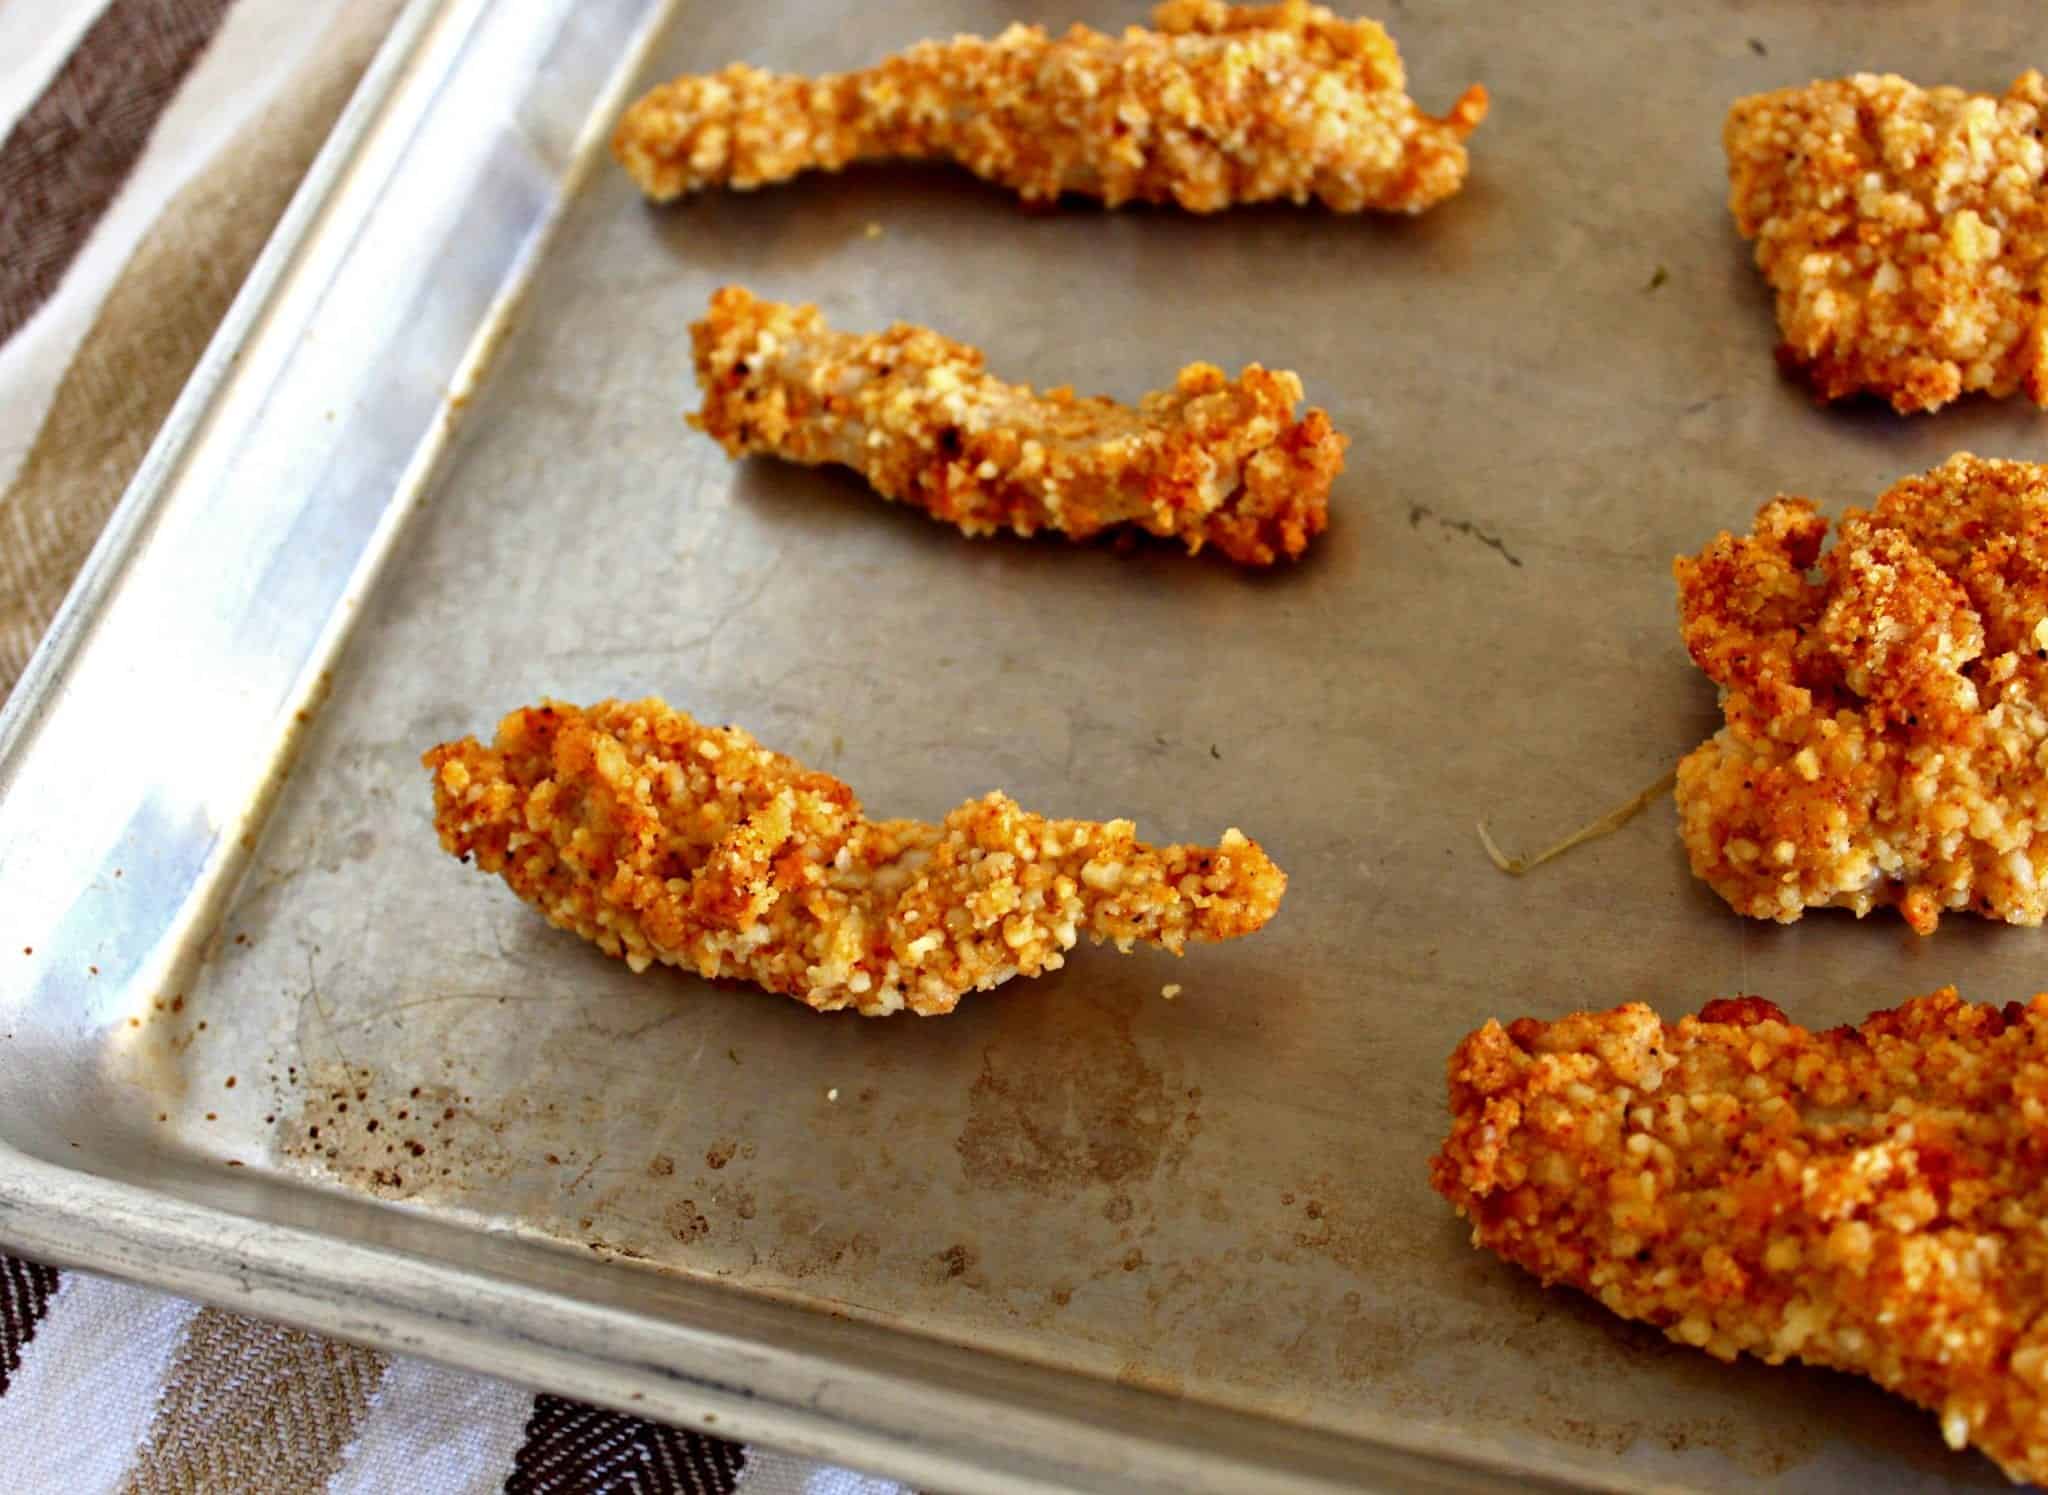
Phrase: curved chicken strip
(1213,461)
(1905,232)
(1870,1199)
(1220,105)
(663,840)
(1886,703)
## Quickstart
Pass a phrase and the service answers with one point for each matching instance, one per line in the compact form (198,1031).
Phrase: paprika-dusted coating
(1212,462)
(1871,1199)
(1217,105)
(1904,231)
(1886,703)
(663,840)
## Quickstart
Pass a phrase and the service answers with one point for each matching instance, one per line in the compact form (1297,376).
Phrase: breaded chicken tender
(1213,461)
(1886,702)
(1873,1199)
(1905,232)
(663,840)
(1219,105)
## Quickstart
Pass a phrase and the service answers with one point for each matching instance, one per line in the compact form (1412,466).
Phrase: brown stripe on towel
(64,160)
(253,1406)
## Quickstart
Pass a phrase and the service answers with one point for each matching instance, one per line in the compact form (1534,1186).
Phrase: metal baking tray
(263,1044)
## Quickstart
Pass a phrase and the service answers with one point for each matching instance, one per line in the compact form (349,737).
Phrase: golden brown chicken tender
(663,840)
(1905,232)
(1213,461)
(1219,105)
(1886,702)
(1871,1199)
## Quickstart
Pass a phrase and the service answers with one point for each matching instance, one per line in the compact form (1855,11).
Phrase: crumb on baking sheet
(1885,701)
(1869,1199)
(1904,231)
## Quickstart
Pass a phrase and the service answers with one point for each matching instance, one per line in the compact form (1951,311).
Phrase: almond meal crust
(1886,738)
(662,840)
(1218,105)
(1213,461)
(1905,232)
(1869,1199)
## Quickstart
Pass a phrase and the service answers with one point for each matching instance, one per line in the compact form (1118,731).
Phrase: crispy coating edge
(1218,105)
(1904,231)
(662,840)
(1885,739)
(1866,1198)
(1213,461)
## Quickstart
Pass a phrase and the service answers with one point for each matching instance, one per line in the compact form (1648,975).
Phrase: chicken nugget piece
(1219,105)
(1871,1199)
(1905,232)
(1213,461)
(662,840)
(1886,703)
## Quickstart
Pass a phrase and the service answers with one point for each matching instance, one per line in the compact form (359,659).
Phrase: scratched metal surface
(1554,383)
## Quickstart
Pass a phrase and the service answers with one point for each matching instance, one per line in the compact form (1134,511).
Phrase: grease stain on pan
(1068,1107)
(684,1221)
(956,1264)
(1070,1102)
(807,1242)
(383,1141)
(1382,1344)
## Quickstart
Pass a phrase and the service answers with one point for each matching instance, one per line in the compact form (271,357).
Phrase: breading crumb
(739,862)
(1219,105)
(1170,990)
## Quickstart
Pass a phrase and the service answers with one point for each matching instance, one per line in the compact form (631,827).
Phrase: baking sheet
(1553,383)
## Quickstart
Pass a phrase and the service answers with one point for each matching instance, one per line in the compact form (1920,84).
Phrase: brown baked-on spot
(958,1260)
(684,1221)
(1867,1198)
(1885,702)
(1905,233)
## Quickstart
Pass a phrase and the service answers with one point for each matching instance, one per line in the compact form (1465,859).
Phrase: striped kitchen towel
(109,1387)
(147,147)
